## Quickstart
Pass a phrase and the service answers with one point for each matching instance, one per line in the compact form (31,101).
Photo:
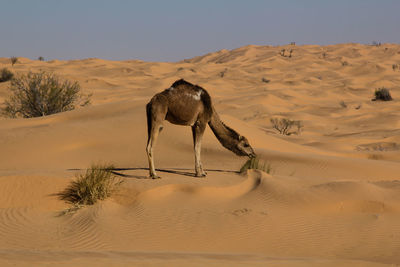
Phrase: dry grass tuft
(256,164)
(5,75)
(97,183)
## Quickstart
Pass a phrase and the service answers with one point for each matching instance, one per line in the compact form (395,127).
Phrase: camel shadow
(178,171)
(117,171)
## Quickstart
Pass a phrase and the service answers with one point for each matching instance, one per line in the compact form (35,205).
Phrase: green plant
(98,183)
(41,58)
(5,75)
(41,94)
(256,164)
(13,60)
(382,94)
(283,126)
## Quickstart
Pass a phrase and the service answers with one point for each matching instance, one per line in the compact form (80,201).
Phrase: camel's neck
(225,135)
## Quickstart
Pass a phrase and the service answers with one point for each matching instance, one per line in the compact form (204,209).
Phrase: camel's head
(243,148)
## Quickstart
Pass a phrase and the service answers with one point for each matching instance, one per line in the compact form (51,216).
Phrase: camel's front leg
(198,130)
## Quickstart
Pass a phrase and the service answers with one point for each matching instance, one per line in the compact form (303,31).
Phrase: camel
(186,104)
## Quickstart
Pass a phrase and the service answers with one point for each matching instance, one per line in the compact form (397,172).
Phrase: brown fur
(187,104)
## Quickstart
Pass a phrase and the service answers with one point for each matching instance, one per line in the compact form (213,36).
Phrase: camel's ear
(240,137)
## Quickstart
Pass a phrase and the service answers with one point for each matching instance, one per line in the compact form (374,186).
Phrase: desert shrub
(343,104)
(377,44)
(41,58)
(5,75)
(265,80)
(41,94)
(222,73)
(98,183)
(256,164)
(382,94)
(284,126)
(13,60)
(283,54)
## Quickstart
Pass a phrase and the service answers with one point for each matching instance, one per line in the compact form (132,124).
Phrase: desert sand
(331,199)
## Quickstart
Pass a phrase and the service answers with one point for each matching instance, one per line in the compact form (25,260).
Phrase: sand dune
(332,197)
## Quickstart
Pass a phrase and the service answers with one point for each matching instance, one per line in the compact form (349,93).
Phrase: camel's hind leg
(154,124)
(198,131)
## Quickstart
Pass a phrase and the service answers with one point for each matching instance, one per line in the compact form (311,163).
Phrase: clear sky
(172,30)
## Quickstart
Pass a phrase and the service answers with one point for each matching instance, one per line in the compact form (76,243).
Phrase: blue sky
(174,30)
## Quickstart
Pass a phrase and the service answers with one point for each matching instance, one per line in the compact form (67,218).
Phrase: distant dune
(331,199)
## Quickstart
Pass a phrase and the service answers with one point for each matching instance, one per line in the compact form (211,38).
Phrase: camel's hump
(185,84)
(181,82)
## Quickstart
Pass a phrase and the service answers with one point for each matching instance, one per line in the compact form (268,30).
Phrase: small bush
(377,44)
(283,126)
(98,183)
(256,164)
(41,58)
(13,60)
(41,94)
(265,80)
(382,94)
(5,75)
(282,53)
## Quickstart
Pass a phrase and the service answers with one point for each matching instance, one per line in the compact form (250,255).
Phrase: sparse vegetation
(41,94)
(256,164)
(5,75)
(283,53)
(345,63)
(222,73)
(292,43)
(377,44)
(98,183)
(395,67)
(382,94)
(13,60)
(265,80)
(284,126)
(343,104)
(41,58)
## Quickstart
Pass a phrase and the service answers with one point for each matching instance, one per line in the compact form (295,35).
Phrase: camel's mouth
(252,155)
